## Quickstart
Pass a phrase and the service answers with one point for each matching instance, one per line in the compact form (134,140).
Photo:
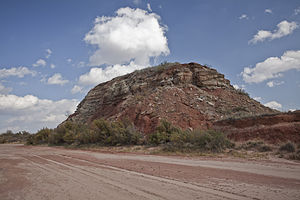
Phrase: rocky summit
(189,96)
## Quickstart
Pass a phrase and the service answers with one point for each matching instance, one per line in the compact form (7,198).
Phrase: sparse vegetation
(118,133)
(175,139)
(242,91)
(10,137)
(164,65)
(165,139)
(101,132)
(288,147)
(257,146)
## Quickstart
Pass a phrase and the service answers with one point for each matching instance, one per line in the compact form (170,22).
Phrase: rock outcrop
(273,128)
(187,95)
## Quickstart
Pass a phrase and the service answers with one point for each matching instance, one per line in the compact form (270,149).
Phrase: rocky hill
(187,95)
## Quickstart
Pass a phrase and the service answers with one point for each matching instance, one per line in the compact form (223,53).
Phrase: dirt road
(56,173)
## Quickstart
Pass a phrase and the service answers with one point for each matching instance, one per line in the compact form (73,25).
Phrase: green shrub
(209,140)
(175,139)
(41,137)
(264,148)
(10,137)
(163,133)
(242,92)
(288,147)
(114,133)
(294,156)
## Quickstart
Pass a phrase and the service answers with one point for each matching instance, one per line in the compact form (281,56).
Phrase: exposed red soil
(274,129)
(56,173)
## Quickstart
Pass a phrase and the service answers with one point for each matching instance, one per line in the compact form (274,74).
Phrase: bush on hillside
(101,132)
(163,133)
(41,137)
(288,147)
(177,139)
(10,137)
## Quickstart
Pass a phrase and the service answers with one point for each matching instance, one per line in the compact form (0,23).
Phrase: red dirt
(274,129)
(56,173)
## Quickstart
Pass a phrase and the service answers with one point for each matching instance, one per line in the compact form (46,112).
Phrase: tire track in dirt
(54,170)
(191,186)
(59,174)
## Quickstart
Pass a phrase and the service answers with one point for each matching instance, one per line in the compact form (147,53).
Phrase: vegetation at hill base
(118,133)
(103,133)
(10,137)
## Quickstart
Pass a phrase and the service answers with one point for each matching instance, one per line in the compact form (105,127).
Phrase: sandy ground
(37,173)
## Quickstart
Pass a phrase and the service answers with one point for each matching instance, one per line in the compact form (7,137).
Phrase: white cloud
(4,90)
(243,16)
(52,66)
(284,28)
(132,35)
(274,83)
(297,11)
(69,60)
(19,72)
(238,87)
(39,62)
(270,83)
(149,7)
(48,53)
(268,11)
(81,64)
(272,67)
(57,79)
(22,83)
(136,2)
(31,113)
(273,105)
(99,75)
(76,89)
(257,98)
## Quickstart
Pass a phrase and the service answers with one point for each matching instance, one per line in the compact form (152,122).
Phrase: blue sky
(52,52)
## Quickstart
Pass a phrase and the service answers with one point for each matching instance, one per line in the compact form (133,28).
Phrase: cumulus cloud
(257,98)
(149,7)
(69,60)
(274,83)
(48,53)
(136,2)
(39,62)
(243,16)
(76,89)
(273,105)
(272,67)
(268,11)
(284,28)
(56,79)
(297,11)
(99,75)
(132,35)
(52,66)
(237,87)
(4,90)
(16,71)
(31,113)
(126,42)
(81,64)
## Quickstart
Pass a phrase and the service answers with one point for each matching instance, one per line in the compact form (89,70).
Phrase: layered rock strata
(187,95)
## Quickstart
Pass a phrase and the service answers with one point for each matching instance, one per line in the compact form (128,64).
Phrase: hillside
(187,95)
